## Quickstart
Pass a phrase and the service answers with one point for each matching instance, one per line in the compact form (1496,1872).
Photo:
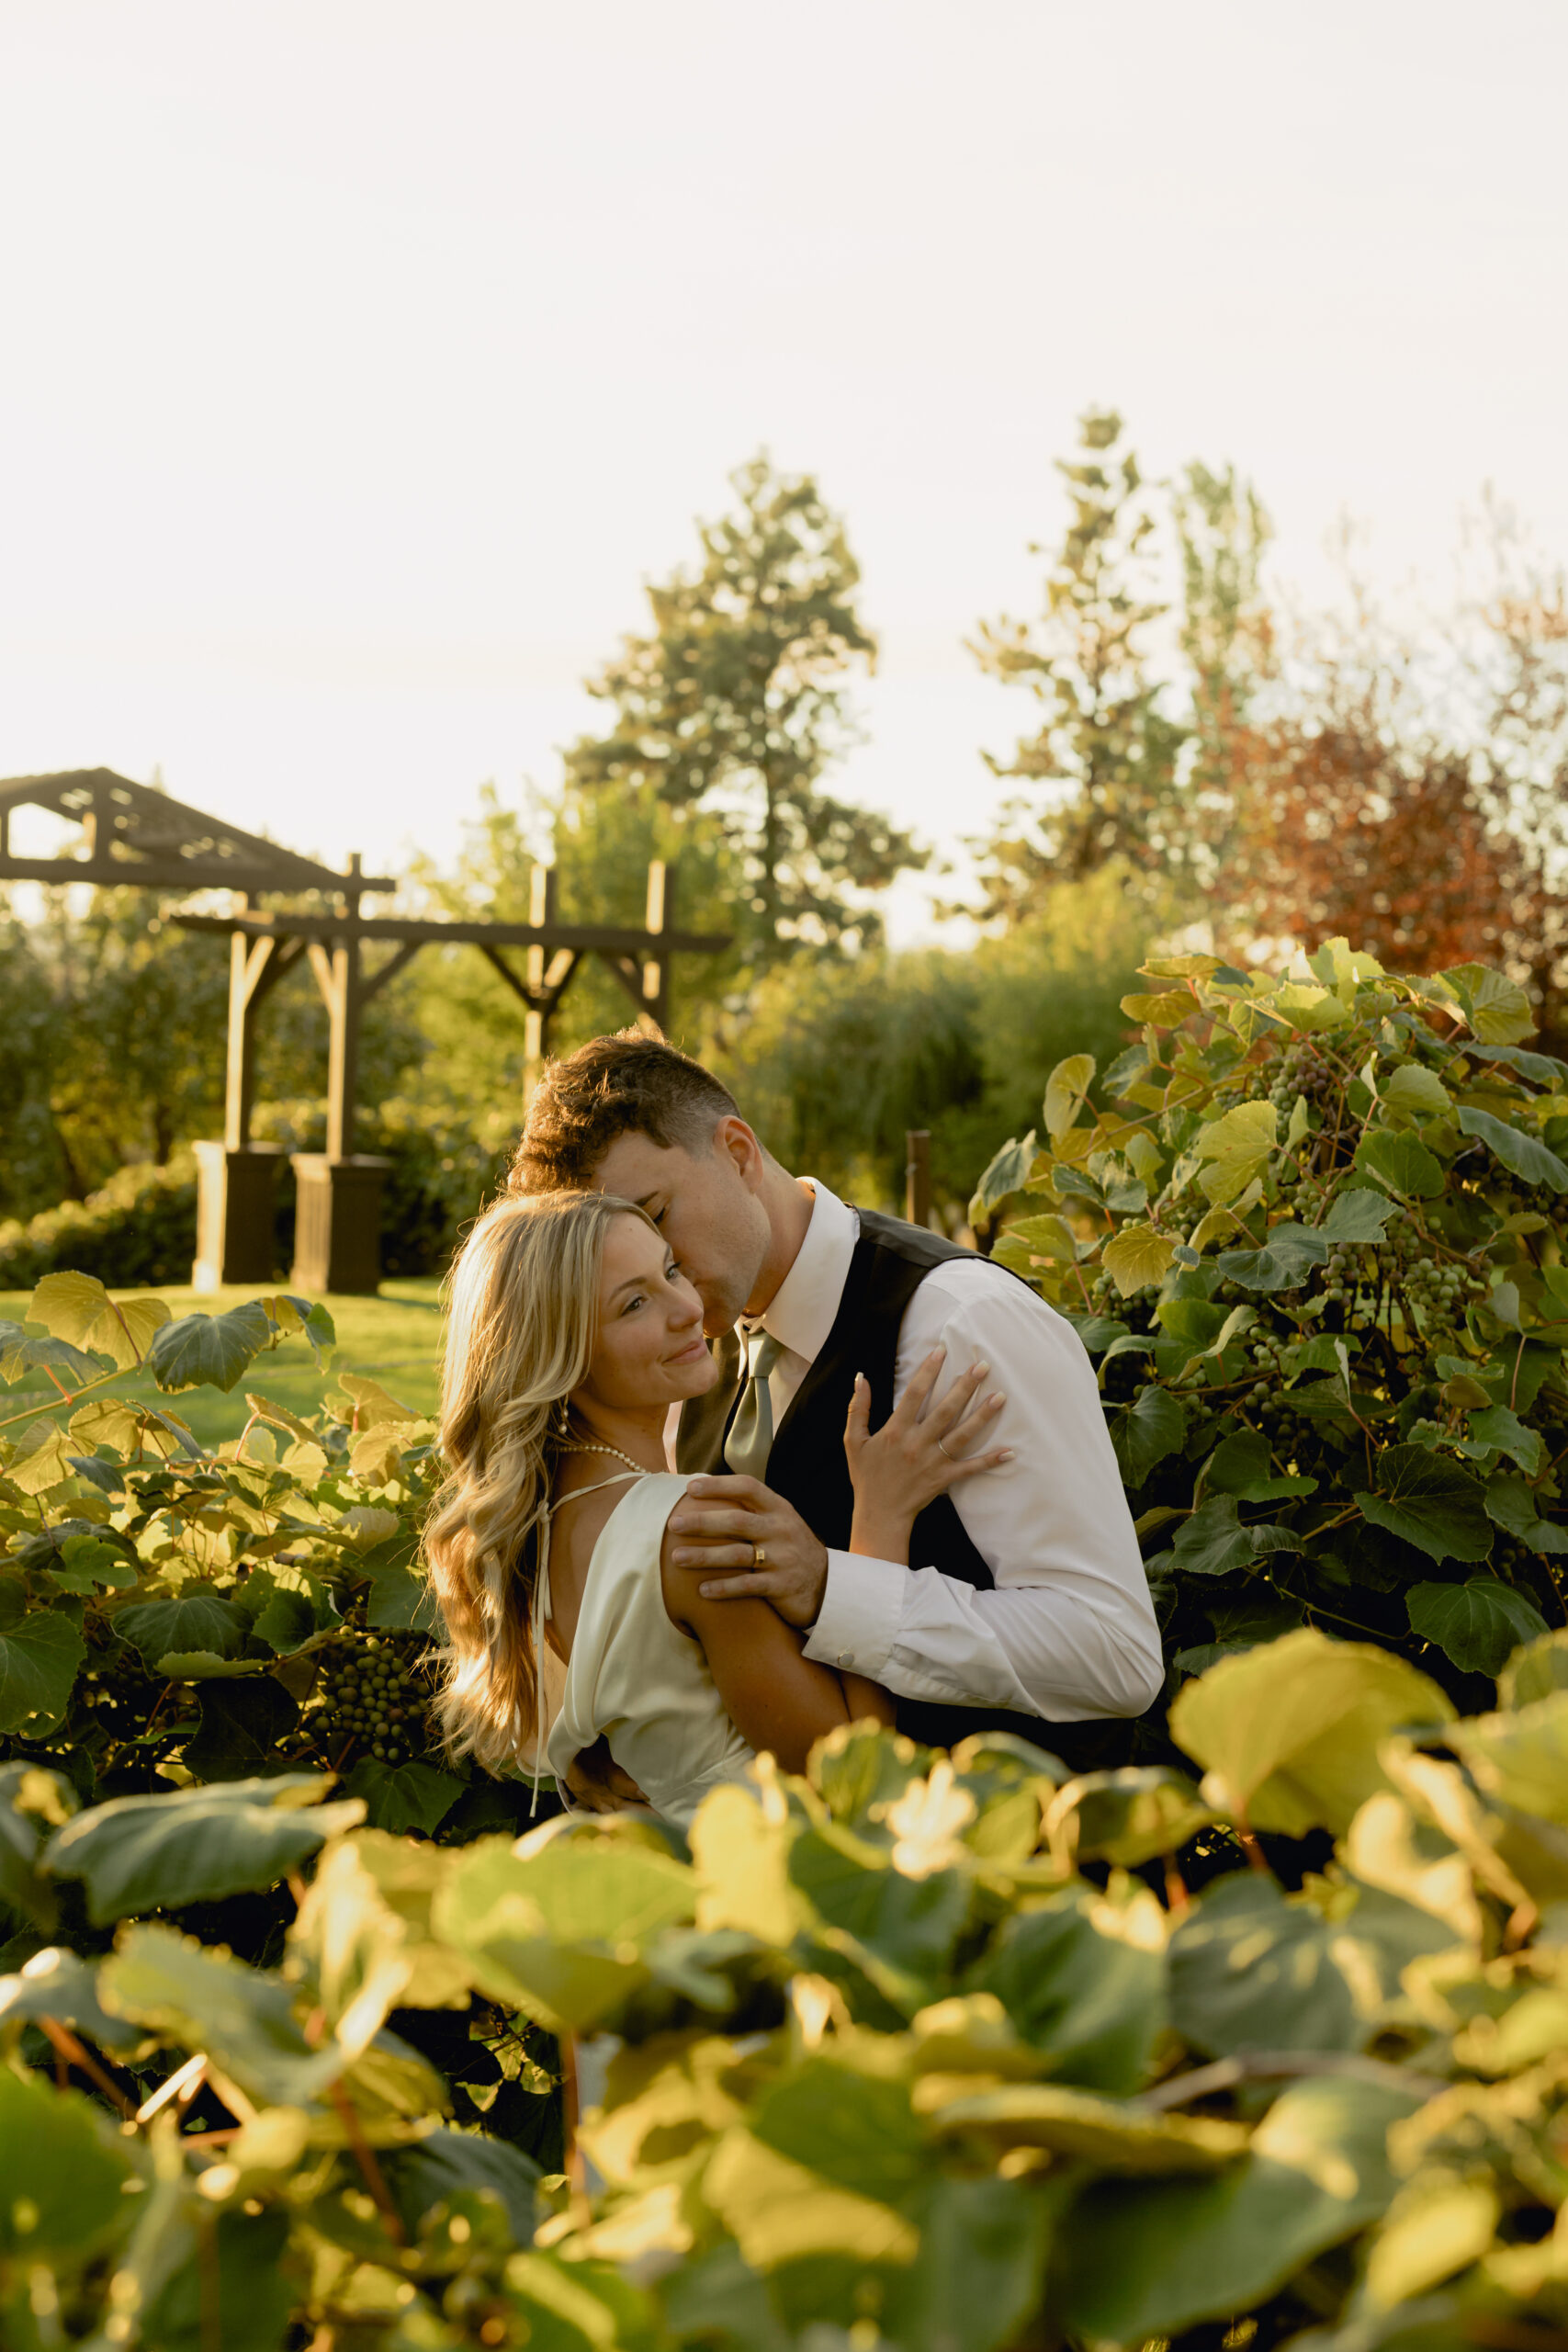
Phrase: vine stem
(71,2052)
(1282,2066)
(364,2157)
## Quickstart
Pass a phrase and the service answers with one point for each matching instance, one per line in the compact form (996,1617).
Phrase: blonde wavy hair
(522,1317)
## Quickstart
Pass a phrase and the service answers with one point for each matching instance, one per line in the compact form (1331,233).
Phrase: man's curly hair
(614,1086)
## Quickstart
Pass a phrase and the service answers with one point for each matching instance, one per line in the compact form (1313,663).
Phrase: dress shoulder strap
(618,1479)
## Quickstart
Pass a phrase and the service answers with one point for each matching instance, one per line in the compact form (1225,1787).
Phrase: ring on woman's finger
(942,1450)
(758,1557)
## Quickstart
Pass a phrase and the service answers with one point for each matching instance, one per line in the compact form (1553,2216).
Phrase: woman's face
(650,1348)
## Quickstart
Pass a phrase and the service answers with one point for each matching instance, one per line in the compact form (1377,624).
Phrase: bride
(571,1332)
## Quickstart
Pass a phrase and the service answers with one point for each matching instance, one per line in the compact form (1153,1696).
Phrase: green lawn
(395,1339)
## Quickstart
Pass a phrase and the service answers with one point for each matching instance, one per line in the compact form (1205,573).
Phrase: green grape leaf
(1359,1213)
(1286,1259)
(204,2000)
(1291,1732)
(39,1655)
(1436,1505)
(1152,2259)
(975,2279)
(1128,1816)
(1245,1941)
(1007,1171)
(197,1617)
(1143,1432)
(1241,1466)
(61,2178)
(1113,2135)
(243,1724)
(445,2165)
(557,1931)
(1523,1156)
(208,1351)
(1521,1755)
(1137,1255)
(78,1308)
(1533,1671)
(243,2304)
(1092,2002)
(1477,1625)
(56,1983)
(1066,1089)
(21,1353)
(1417,1092)
(404,1797)
(25,1790)
(1212,1541)
(285,1623)
(1495,1426)
(1401,1162)
(1497,1008)
(139,1854)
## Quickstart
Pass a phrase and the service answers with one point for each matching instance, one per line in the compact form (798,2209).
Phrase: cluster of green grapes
(372,1699)
(1266,1349)
(1302,1072)
(118,1694)
(1440,1292)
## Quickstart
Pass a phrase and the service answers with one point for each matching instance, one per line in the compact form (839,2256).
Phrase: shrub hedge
(139,1229)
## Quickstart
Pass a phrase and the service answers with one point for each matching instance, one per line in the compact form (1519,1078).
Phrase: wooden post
(340,986)
(661,917)
(234,1178)
(537,1020)
(343,1049)
(918,1176)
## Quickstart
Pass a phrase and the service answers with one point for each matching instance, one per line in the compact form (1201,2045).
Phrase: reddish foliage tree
(1335,834)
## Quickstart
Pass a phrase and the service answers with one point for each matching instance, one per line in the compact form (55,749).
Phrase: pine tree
(1104,764)
(734,706)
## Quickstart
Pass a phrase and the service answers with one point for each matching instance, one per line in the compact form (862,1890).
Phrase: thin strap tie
(543,1610)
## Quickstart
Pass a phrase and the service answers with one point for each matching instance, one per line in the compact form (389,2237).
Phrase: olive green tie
(751,1439)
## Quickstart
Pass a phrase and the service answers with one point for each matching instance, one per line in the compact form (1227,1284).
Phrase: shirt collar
(800,1314)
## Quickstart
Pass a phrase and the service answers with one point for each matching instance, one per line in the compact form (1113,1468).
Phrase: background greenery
(1191,756)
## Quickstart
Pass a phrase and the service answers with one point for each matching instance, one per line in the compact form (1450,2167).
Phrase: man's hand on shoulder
(757,1545)
(597,1781)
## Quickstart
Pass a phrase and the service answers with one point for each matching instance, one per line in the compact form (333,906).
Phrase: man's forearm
(1047,1650)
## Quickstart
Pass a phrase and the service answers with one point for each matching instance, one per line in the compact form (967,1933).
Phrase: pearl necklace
(641,1467)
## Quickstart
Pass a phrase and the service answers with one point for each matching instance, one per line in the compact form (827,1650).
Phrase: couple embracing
(732,1463)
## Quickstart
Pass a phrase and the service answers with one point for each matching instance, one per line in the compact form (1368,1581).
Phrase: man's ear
(734,1141)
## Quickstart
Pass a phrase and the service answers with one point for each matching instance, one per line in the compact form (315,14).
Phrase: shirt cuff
(860,1616)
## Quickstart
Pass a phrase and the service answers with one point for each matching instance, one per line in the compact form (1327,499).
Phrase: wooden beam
(584,939)
(151,873)
(388,970)
(519,988)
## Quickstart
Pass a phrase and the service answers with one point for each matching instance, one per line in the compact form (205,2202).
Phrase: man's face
(706,1206)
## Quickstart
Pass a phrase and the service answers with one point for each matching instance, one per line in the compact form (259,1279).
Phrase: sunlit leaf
(1291,1732)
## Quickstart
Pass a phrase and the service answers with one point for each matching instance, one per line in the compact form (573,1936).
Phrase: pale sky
(362,358)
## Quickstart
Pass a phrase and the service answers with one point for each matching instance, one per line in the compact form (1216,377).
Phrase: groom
(1024,1606)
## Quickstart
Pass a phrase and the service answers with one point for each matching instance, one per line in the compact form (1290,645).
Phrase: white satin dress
(633,1678)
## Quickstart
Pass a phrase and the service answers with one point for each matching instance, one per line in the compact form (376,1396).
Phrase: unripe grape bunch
(1302,1072)
(372,1701)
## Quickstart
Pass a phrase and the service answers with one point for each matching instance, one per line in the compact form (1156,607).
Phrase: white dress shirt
(1069,1630)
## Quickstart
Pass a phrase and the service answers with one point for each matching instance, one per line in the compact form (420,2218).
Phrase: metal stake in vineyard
(132,835)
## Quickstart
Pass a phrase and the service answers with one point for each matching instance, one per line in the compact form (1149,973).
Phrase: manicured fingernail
(1009,1454)
(981,1370)
(998,1397)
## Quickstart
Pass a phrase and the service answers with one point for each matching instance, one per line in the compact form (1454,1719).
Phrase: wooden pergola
(134,836)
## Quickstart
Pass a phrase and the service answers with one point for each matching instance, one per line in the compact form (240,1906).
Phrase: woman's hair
(522,1316)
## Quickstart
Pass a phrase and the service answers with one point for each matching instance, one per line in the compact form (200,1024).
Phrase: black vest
(808,1466)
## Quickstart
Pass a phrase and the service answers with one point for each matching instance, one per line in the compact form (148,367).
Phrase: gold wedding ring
(758,1557)
(942,1450)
